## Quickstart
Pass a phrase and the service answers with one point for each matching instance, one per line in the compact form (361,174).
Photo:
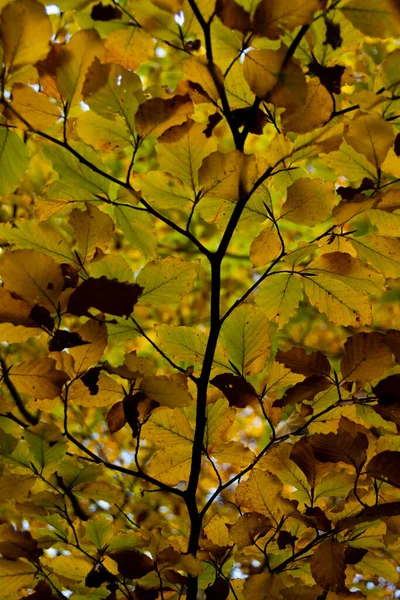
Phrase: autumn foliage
(199,301)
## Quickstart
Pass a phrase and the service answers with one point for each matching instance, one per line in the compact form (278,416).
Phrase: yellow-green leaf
(166,280)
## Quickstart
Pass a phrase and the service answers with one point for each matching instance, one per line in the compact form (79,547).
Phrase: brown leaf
(302,455)
(131,411)
(392,339)
(107,295)
(237,390)
(158,114)
(385,467)
(219,590)
(116,417)
(248,527)
(233,15)
(370,513)
(304,390)
(285,539)
(142,593)
(328,565)
(298,361)
(105,12)
(41,315)
(18,544)
(340,447)
(388,390)
(318,518)
(91,380)
(353,555)
(330,77)
(65,339)
(132,563)
(42,591)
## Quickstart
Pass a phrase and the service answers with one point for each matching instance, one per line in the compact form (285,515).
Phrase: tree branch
(28,416)
(140,475)
(161,352)
(111,178)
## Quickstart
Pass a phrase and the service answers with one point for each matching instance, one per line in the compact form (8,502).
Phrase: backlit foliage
(200,233)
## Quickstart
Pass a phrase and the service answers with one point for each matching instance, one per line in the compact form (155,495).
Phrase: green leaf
(246,338)
(14,160)
(166,280)
(138,229)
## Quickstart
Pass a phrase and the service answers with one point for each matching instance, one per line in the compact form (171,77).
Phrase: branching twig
(28,416)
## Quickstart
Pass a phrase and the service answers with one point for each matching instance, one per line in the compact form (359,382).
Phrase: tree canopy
(199,301)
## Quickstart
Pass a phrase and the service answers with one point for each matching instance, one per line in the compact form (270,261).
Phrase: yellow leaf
(371,136)
(279,378)
(351,164)
(71,567)
(103,134)
(376,20)
(38,378)
(165,391)
(16,334)
(280,296)
(233,453)
(222,178)
(109,392)
(129,47)
(172,464)
(38,236)
(374,565)
(13,310)
(196,69)
(219,418)
(262,70)
(278,461)
(189,345)
(246,337)
(263,586)
(387,224)
(93,229)
(181,151)
(391,163)
(15,574)
(345,211)
(25,32)
(14,160)
(112,91)
(165,281)
(266,246)
(163,190)
(217,531)
(74,61)
(33,276)
(352,271)
(381,252)
(365,357)
(138,229)
(15,487)
(88,355)
(341,303)
(34,107)
(261,493)
(312,113)
(168,427)
(309,202)
(112,267)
